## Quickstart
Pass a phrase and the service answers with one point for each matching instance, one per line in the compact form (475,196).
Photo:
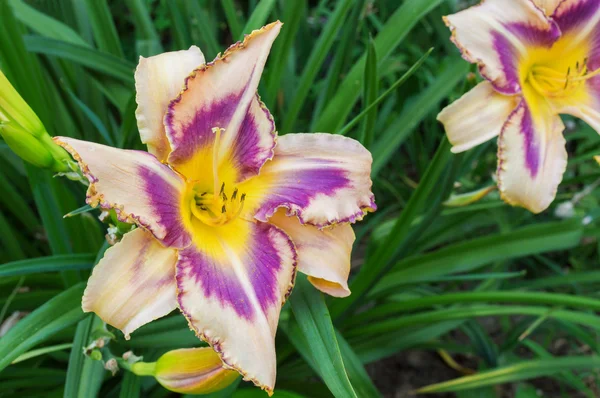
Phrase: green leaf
(77,358)
(293,12)
(452,314)
(103,26)
(130,386)
(426,102)
(383,96)
(314,63)
(41,351)
(357,374)
(370,91)
(319,342)
(145,28)
(45,25)
(60,312)
(47,264)
(550,299)
(259,16)
(469,255)
(93,118)
(94,60)
(376,264)
(92,371)
(526,370)
(395,30)
(235,26)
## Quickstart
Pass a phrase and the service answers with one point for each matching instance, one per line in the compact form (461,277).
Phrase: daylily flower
(188,371)
(225,212)
(540,58)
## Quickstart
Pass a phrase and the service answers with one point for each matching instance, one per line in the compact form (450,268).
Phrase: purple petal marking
(217,280)
(164,201)
(577,14)
(247,149)
(298,188)
(508,54)
(532,148)
(198,132)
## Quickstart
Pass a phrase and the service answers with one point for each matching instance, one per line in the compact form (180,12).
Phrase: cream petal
(231,284)
(323,254)
(158,80)
(477,116)
(531,158)
(134,283)
(134,183)
(221,96)
(324,179)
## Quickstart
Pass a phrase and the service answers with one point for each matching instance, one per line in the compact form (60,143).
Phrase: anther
(222,189)
(223,209)
(243,197)
(234,194)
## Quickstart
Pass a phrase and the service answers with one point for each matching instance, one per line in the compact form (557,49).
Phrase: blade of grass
(346,129)
(44,24)
(60,312)
(47,264)
(144,27)
(41,351)
(550,299)
(259,16)
(293,12)
(314,322)
(395,30)
(508,374)
(91,59)
(357,374)
(233,21)
(372,269)
(103,26)
(426,102)
(315,61)
(370,91)
(457,313)
(469,255)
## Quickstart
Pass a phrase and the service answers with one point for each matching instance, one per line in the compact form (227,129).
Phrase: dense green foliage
(509,294)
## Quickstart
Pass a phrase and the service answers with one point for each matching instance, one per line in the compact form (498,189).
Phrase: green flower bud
(26,146)
(188,371)
(24,132)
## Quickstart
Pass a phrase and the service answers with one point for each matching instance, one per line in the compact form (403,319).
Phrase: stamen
(552,83)
(234,195)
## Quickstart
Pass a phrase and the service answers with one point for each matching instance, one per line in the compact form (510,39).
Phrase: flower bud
(26,146)
(468,198)
(24,132)
(188,371)
(15,110)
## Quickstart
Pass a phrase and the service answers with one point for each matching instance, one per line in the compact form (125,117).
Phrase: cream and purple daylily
(226,210)
(540,58)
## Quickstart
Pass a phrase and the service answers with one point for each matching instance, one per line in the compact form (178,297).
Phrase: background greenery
(501,302)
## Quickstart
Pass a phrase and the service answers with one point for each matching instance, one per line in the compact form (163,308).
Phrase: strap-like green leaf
(60,312)
(315,337)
